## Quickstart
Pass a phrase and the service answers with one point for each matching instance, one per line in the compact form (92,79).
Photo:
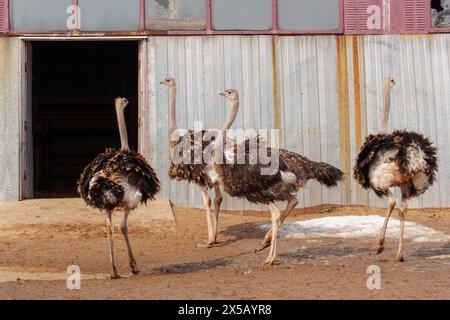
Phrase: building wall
(9,119)
(323,92)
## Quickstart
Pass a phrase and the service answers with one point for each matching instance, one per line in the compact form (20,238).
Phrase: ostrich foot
(399,258)
(380,247)
(134,267)
(207,245)
(115,275)
(262,246)
(266,263)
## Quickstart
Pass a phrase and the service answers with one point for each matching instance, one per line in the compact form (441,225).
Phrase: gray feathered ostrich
(247,181)
(118,180)
(200,173)
(401,159)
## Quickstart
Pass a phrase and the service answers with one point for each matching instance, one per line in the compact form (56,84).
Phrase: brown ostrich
(403,159)
(118,180)
(247,181)
(201,172)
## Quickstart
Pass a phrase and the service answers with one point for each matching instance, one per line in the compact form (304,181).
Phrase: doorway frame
(26,183)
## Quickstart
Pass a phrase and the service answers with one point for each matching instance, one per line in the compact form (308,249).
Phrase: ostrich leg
(292,203)
(207,205)
(390,206)
(275,212)
(217,202)
(109,227)
(124,229)
(401,215)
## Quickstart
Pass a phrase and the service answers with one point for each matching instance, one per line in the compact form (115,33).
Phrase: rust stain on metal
(357,90)
(361,195)
(344,114)
(276,88)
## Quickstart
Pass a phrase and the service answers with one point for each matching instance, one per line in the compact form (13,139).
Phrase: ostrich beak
(161,82)
(222,94)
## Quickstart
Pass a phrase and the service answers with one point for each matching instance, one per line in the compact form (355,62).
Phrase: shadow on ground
(431,252)
(247,230)
(323,251)
(192,267)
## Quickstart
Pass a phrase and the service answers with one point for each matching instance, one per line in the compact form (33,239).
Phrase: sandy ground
(38,245)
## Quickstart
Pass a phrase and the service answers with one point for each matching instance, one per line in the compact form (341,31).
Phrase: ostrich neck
(122,127)
(172,118)
(230,119)
(387,108)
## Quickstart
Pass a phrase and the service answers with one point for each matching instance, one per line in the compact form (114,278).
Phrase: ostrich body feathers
(247,181)
(189,147)
(401,158)
(118,179)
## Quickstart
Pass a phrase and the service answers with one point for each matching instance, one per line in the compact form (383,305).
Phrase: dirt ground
(35,253)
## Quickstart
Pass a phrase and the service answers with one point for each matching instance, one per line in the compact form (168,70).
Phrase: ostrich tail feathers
(105,194)
(325,173)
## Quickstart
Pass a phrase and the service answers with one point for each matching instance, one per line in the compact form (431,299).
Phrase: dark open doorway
(73,89)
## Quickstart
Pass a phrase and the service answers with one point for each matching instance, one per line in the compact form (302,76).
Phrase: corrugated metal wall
(9,119)
(420,100)
(324,92)
(204,67)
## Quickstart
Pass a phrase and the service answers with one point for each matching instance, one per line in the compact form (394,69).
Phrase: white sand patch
(442,256)
(20,274)
(357,227)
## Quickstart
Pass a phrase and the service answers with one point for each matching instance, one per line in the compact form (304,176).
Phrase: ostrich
(401,159)
(202,174)
(246,180)
(118,180)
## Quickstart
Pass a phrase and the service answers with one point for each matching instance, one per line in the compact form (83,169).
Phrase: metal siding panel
(9,118)
(331,139)
(440,47)
(352,112)
(309,106)
(307,79)
(419,100)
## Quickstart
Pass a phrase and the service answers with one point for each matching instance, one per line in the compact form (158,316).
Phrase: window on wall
(308,15)
(241,14)
(109,15)
(42,15)
(175,15)
(440,14)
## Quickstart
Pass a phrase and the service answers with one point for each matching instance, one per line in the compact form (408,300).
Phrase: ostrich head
(170,82)
(390,82)
(121,103)
(230,94)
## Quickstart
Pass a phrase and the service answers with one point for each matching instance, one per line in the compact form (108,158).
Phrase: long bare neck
(387,107)
(172,112)
(227,125)
(231,116)
(122,127)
